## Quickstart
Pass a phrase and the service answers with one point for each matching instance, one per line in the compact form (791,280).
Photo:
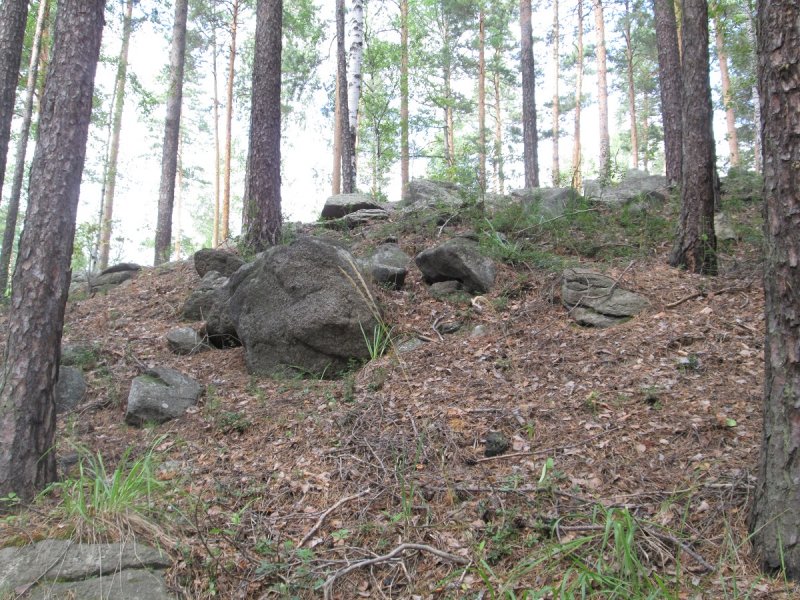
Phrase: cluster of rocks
(92,283)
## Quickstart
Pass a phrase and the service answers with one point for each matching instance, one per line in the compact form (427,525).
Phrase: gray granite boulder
(636,187)
(159,395)
(70,388)
(300,307)
(458,259)
(185,341)
(387,265)
(61,569)
(549,203)
(428,194)
(588,294)
(341,205)
(199,303)
(723,227)
(223,262)
(121,268)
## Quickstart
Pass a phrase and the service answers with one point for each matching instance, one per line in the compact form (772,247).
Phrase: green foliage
(379,342)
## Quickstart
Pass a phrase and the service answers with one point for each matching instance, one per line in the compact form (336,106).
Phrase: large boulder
(428,194)
(159,395)
(357,218)
(637,186)
(597,300)
(299,307)
(549,203)
(387,265)
(65,569)
(199,303)
(458,259)
(223,262)
(70,388)
(121,268)
(341,205)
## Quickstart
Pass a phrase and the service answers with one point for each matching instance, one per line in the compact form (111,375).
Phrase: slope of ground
(630,472)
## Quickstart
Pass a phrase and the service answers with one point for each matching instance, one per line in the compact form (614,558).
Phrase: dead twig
(548,450)
(324,515)
(702,294)
(368,562)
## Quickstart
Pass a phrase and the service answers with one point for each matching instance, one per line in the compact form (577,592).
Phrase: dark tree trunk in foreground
(262,197)
(529,134)
(10,232)
(695,248)
(669,78)
(41,277)
(348,175)
(172,127)
(775,520)
(13,17)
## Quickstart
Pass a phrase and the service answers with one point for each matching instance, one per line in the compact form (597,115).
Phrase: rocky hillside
(496,449)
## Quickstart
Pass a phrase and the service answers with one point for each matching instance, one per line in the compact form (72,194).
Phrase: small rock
(159,395)
(496,444)
(479,331)
(458,259)
(409,345)
(70,388)
(185,341)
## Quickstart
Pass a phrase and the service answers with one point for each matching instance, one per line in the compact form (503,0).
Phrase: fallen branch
(368,562)
(324,515)
(547,450)
(701,294)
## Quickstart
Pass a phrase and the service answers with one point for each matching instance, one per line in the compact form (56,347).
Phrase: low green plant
(380,341)
(98,501)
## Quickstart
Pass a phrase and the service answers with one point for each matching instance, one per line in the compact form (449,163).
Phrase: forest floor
(630,474)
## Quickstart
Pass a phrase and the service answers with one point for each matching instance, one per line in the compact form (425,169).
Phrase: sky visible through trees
(308,126)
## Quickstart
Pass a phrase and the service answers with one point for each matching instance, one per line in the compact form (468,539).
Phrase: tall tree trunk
(217,166)
(556,175)
(42,274)
(405,175)
(10,231)
(336,177)
(262,198)
(604,165)
(106,224)
(226,189)
(13,18)
(354,86)
(646,134)
(172,127)
(775,520)
(631,88)
(577,181)
(695,246)
(499,175)
(348,175)
(530,136)
(727,99)
(669,78)
(179,202)
(481,101)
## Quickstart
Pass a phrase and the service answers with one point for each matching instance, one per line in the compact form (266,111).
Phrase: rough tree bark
(172,126)
(42,274)
(576,136)
(727,100)
(556,175)
(404,153)
(10,231)
(13,18)
(530,136)
(262,197)
(336,178)
(695,246)
(631,88)
(775,520)
(106,223)
(348,176)
(225,219)
(604,164)
(669,78)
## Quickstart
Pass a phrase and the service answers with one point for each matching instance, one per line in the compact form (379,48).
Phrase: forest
(349,433)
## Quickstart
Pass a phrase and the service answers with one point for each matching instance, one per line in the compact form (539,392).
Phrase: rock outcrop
(597,300)
(160,395)
(458,259)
